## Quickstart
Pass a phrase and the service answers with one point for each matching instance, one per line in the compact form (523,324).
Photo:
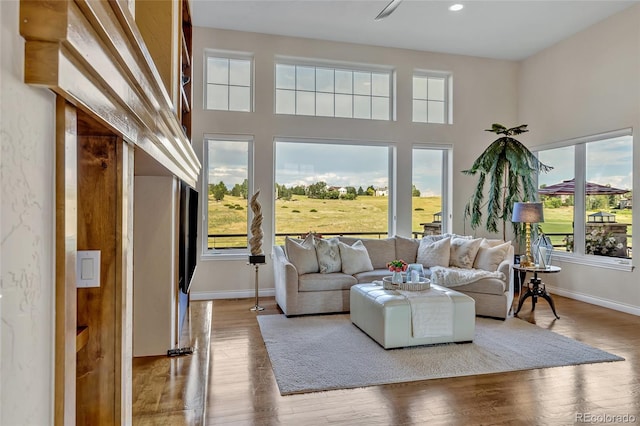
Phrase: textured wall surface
(27,236)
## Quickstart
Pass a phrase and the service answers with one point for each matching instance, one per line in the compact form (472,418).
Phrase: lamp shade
(527,213)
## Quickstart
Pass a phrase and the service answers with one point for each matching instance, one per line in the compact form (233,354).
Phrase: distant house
(382,192)
(342,190)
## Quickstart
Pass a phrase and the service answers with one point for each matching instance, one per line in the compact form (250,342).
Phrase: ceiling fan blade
(388,10)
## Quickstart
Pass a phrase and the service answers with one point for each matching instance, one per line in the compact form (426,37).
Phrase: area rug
(317,353)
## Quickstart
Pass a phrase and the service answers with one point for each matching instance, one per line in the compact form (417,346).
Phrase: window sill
(618,264)
(217,256)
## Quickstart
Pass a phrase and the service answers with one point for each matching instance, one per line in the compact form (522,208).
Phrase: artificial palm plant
(511,168)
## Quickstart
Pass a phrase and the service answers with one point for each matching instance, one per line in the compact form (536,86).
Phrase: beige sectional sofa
(301,287)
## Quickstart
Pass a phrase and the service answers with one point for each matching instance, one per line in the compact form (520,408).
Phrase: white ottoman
(385,315)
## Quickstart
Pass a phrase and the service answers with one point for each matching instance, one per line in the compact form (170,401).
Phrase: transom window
(333,92)
(431,98)
(228,82)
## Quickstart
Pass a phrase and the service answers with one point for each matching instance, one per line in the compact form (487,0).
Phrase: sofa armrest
(506,267)
(285,280)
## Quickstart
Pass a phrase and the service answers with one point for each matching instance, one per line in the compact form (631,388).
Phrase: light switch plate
(88,268)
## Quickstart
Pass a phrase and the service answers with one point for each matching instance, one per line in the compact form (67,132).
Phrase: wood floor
(242,390)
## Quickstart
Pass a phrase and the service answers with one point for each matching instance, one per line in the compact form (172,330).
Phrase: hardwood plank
(242,389)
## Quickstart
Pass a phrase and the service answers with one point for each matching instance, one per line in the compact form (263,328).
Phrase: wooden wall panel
(97,230)
(66,220)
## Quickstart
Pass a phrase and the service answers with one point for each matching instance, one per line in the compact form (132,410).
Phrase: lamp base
(525,261)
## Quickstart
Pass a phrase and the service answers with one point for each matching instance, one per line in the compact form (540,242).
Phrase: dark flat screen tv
(188,235)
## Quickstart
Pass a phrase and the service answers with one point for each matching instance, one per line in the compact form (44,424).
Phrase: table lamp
(527,213)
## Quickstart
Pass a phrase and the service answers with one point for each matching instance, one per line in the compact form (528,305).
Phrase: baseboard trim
(231,294)
(605,303)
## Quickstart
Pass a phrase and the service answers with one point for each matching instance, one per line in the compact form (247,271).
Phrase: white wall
(589,84)
(27,236)
(484,93)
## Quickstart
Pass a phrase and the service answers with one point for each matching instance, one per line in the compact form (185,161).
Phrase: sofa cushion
(302,254)
(328,254)
(463,252)
(355,258)
(434,253)
(325,282)
(381,251)
(488,258)
(407,249)
(486,285)
(371,276)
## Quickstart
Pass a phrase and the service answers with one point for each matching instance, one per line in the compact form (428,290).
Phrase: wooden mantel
(92,54)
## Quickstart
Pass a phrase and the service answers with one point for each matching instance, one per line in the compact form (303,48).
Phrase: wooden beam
(98,61)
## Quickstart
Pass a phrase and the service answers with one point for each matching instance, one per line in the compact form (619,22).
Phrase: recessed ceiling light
(456,7)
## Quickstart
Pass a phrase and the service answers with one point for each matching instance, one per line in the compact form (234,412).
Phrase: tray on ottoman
(385,315)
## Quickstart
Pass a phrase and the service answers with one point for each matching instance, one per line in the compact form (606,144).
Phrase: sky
(609,162)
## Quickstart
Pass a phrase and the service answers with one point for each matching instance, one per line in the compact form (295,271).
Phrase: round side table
(535,287)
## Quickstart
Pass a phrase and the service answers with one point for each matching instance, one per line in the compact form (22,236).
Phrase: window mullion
(579,211)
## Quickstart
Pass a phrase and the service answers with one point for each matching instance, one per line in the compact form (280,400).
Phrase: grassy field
(369,214)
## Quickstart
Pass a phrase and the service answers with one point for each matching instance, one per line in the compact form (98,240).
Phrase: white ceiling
(513,29)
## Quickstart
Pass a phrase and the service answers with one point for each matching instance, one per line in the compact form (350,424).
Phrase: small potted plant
(397,267)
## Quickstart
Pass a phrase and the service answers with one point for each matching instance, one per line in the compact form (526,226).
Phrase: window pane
(419,87)
(324,80)
(217,70)
(239,72)
(380,108)
(361,107)
(344,83)
(362,83)
(323,188)
(435,113)
(558,206)
(305,103)
(419,111)
(239,98)
(305,78)
(344,106)
(217,97)
(324,104)
(609,174)
(285,76)
(285,102)
(227,182)
(426,192)
(380,84)
(436,89)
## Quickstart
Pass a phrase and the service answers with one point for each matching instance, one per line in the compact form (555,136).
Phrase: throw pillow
(302,254)
(489,258)
(434,253)
(463,252)
(328,254)
(406,249)
(355,258)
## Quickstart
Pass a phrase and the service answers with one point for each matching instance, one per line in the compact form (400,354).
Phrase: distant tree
(283,192)
(299,190)
(236,190)
(331,195)
(317,190)
(219,191)
(415,192)
(361,191)
(348,196)
(371,191)
(351,190)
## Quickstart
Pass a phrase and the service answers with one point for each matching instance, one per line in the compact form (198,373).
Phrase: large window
(431,97)
(429,172)
(333,92)
(331,189)
(590,213)
(228,184)
(228,82)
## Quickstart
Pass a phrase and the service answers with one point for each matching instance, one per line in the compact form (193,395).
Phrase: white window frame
(230,253)
(448,93)
(226,54)
(578,256)
(447,176)
(391,147)
(337,66)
